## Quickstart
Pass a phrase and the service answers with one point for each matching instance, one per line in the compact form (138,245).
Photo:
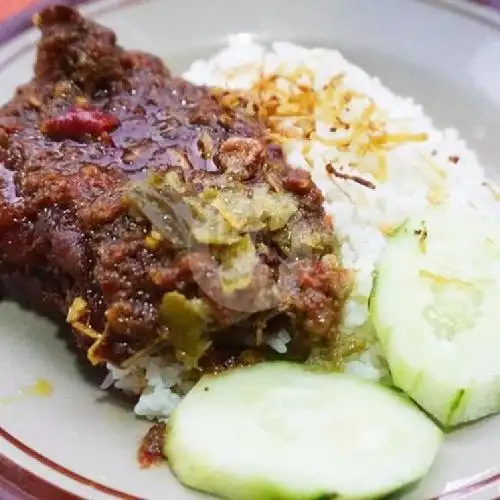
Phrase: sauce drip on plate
(40,388)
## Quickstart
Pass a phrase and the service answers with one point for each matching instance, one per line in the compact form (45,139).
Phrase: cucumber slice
(279,431)
(436,310)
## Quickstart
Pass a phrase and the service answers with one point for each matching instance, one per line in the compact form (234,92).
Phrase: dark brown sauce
(78,133)
(151,449)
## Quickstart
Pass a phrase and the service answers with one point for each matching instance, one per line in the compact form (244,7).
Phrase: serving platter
(63,437)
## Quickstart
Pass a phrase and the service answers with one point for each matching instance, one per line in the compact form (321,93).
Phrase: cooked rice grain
(327,111)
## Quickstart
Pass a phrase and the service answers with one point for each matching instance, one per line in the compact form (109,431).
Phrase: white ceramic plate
(444,53)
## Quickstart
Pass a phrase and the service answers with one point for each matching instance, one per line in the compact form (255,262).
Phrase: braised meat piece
(153,218)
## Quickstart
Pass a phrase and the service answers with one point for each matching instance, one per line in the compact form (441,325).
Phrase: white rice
(416,174)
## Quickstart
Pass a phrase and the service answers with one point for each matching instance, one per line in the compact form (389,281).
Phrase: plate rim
(21,483)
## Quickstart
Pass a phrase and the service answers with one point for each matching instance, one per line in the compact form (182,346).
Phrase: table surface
(12,7)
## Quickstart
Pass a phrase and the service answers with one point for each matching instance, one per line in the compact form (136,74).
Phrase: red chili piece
(80,122)
(312,276)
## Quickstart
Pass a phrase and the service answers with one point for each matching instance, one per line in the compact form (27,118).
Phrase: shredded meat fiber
(97,122)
